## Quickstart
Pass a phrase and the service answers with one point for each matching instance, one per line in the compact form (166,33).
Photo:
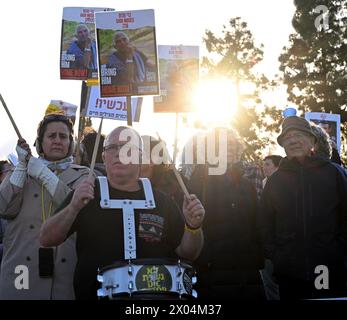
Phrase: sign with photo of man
(179,75)
(78,56)
(330,123)
(127,53)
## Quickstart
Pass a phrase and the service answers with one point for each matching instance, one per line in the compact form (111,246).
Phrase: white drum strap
(128,207)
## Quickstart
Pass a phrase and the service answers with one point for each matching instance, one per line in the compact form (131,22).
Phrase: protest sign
(109,108)
(78,52)
(179,75)
(127,53)
(330,123)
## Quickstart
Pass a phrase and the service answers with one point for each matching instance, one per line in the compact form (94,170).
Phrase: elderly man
(84,49)
(304,218)
(132,65)
(160,232)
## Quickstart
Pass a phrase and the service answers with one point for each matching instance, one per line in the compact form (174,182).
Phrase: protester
(131,64)
(84,49)
(327,127)
(271,164)
(228,266)
(5,168)
(28,196)
(87,145)
(158,169)
(160,232)
(303,218)
(253,173)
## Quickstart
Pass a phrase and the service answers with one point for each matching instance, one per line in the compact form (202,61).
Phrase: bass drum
(153,279)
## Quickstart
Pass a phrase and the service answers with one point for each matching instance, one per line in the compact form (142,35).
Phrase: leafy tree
(314,63)
(234,56)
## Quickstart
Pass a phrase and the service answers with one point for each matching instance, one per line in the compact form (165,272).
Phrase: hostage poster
(331,125)
(179,75)
(127,53)
(78,51)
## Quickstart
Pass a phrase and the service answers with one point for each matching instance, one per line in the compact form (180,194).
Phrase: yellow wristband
(193,231)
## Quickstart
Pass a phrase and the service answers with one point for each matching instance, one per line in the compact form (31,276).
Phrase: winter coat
(303,214)
(24,215)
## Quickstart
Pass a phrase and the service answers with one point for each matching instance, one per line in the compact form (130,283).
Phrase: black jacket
(231,241)
(303,213)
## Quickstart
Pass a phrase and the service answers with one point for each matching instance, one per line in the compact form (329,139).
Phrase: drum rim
(147,261)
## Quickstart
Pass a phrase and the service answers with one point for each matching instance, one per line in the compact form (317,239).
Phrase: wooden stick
(129,111)
(178,176)
(10,116)
(95,151)
(176,138)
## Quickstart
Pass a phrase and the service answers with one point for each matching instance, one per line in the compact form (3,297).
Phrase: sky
(30,38)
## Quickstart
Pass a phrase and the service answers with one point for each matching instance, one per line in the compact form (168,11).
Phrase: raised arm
(193,238)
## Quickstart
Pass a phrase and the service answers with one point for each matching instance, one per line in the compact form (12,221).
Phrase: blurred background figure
(5,168)
(229,264)
(87,147)
(157,169)
(270,165)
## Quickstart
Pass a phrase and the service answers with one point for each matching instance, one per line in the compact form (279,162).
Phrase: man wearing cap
(84,49)
(161,232)
(131,64)
(303,214)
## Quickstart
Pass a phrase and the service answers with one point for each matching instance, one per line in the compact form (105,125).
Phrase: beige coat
(23,211)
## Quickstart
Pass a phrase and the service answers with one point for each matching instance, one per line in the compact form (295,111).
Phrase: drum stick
(95,151)
(177,175)
(10,116)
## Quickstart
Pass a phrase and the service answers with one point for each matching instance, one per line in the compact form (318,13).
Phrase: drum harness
(128,209)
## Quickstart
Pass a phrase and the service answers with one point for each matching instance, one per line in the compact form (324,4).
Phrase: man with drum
(161,232)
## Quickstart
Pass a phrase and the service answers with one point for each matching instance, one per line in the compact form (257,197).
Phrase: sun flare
(215,101)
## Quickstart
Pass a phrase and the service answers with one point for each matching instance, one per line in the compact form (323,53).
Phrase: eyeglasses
(117,147)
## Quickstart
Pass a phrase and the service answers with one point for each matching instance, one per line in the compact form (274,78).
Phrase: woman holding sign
(28,196)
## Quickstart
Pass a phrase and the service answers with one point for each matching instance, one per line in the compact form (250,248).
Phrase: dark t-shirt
(100,235)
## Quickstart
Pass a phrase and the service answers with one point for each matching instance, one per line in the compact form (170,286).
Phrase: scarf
(58,166)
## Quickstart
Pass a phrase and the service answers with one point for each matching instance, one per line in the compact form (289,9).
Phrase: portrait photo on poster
(127,53)
(331,125)
(179,76)
(78,50)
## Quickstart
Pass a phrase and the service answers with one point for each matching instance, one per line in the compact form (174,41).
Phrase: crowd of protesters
(253,232)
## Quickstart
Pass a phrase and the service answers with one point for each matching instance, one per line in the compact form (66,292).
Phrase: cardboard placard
(78,50)
(330,123)
(179,75)
(127,53)
(108,108)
